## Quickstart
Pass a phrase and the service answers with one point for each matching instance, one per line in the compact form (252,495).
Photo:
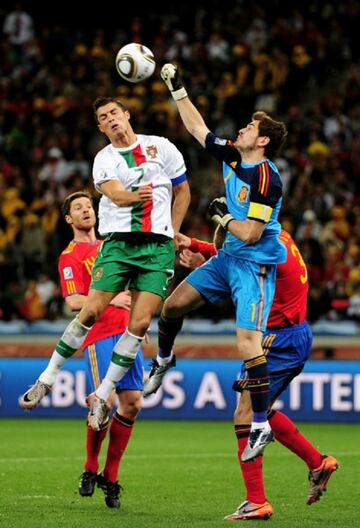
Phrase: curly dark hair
(275,130)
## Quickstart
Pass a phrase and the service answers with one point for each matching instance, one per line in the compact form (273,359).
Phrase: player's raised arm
(190,116)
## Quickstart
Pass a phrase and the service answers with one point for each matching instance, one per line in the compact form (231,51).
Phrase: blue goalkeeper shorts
(251,287)
(98,357)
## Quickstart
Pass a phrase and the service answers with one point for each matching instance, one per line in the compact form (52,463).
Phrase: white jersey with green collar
(151,160)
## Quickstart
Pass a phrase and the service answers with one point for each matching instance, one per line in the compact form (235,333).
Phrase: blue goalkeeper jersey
(253,192)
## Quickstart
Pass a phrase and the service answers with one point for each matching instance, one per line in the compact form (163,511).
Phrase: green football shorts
(145,266)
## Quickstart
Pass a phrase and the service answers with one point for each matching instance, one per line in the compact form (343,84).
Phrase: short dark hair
(275,130)
(66,205)
(102,101)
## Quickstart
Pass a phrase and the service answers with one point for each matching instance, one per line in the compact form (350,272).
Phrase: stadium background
(298,60)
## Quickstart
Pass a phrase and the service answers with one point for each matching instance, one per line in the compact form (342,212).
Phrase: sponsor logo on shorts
(98,273)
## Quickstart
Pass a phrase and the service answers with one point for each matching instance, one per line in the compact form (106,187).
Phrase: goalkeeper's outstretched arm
(189,114)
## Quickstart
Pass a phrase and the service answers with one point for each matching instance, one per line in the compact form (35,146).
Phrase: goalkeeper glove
(219,213)
(170,75)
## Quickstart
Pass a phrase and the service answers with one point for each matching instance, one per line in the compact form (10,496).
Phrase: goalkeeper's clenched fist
(219,212)
(170,75)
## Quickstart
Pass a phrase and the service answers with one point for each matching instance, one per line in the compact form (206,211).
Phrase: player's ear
(263,141)
(68,219)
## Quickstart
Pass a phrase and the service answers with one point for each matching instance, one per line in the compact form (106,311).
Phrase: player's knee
(172,308)
(131,408)
(247,348)
(139,325)
(90,314)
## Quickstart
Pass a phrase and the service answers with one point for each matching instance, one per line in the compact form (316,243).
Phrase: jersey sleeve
(104,169)
(174,163)
(222,149)
(71,277)
(265,192)
(207,249)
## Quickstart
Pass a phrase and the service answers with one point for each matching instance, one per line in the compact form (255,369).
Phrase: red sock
(120,432)
(252,470)
(94,440)
(288,435)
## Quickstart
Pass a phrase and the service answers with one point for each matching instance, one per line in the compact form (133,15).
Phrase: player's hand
(219,212)
(191,260)
(122,300)
(240,384)
(181,241)
(144,193)
(219,237)
(171,77)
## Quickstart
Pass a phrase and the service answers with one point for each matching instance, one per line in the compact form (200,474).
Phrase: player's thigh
(95,303)
(182,300)
(211,279)
(143,307)
(248,343)
(129,402)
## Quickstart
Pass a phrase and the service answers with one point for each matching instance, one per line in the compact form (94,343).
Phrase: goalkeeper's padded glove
(219,212)
(170,75)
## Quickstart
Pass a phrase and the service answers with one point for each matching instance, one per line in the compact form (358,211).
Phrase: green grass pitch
(176,474)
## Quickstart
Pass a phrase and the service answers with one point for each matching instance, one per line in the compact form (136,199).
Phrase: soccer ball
(135,62)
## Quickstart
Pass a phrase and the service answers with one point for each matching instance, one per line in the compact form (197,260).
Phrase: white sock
(71,340)
(164,361)
(105,388)
(259,425)
(48,376)
(123,358)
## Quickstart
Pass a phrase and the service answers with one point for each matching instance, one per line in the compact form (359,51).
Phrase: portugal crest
(151,152)
(98,273)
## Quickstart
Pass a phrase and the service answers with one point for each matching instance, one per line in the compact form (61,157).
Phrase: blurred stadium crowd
(297,61)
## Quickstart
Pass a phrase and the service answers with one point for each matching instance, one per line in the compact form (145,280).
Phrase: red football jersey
(75,265)
(290,300)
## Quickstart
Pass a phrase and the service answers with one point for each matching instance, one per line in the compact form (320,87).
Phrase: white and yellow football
(135,62)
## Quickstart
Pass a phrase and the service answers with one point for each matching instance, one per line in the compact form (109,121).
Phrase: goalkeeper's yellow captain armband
(259,212)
